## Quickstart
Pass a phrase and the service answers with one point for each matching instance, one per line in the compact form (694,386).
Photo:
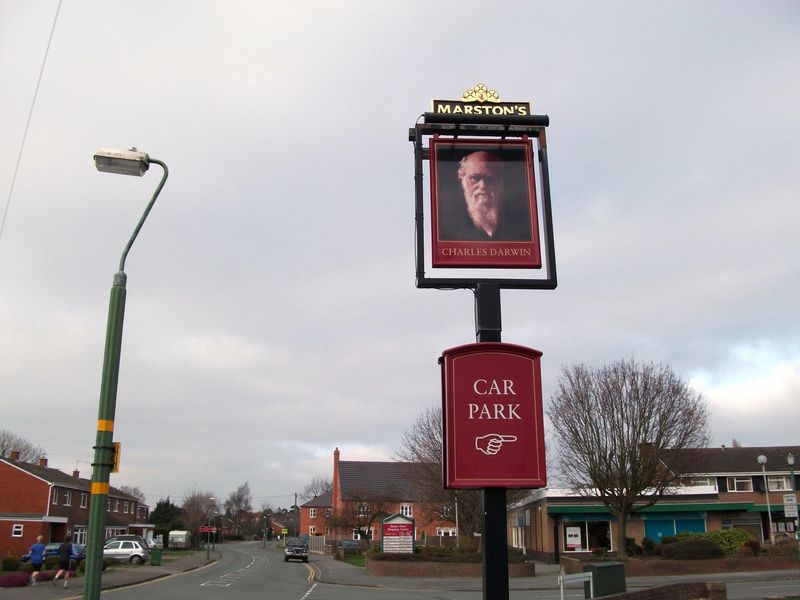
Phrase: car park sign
(493,417)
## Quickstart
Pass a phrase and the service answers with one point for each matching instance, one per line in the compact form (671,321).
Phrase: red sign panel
(398,529)
(493,417)
(484,210)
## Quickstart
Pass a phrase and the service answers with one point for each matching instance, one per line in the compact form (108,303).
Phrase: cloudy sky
(272,313)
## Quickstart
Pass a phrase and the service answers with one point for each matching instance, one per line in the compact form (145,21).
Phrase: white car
(126,551)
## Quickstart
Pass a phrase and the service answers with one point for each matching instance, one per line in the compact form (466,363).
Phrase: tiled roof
(361,480)
(60,478)
(321,501)
(738,459)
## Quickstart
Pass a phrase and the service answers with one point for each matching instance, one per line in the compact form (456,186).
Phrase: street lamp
(124,162)
(762,460)
(208,530)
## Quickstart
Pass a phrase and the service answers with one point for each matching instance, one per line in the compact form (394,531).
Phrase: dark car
(78,552)
(296,548)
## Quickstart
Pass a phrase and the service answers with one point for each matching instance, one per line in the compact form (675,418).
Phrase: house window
(446,531)
(370,534)
(127,507)
(328,512)
(79,535)
(779,483)
(55,495)
(406,510)
(702,481)
(116,505)
(312,513)
(312,530)
(740,484)
(84,501)
(447,511)
(16,529)
(67,497)
(363,510)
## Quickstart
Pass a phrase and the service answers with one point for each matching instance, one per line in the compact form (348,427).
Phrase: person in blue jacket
(37,558)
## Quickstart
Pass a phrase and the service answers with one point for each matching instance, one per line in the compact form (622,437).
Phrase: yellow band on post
(99,489)
(105,425)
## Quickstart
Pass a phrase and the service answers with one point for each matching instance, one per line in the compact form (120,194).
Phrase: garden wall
(643,567)
(406,568)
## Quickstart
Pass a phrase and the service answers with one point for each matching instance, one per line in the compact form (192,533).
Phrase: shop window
(740,484)
(584,536)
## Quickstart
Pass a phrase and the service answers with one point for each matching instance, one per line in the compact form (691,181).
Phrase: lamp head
(790,459)
(122,162)
(762,460)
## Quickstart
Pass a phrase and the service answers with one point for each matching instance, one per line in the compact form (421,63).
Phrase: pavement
(327,570)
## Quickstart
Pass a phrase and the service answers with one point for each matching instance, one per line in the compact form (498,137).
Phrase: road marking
(308,593)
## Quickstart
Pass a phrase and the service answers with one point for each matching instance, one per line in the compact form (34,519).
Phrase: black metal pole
(488,325)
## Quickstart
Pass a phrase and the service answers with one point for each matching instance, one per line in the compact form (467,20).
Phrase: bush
(51,562)
(695,548)
(632,548)
(669,539)
(599,552)
(18,579)
(730,540)
(648,546)
(26,568)
(751,548)
(783,547)
(10,563)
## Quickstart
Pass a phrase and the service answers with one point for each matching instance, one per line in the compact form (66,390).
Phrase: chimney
(76,473)
(15,455)
(336,491)
(43,462)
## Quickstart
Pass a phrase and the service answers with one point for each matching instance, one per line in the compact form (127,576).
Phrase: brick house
(365,492)
(727,491)
(36,499)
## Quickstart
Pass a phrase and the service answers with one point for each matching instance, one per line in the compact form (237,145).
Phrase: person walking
(37,558)
(64,555)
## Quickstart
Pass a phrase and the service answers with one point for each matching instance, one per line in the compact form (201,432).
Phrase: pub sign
(492,417)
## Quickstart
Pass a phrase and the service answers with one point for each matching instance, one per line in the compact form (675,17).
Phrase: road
(247,571)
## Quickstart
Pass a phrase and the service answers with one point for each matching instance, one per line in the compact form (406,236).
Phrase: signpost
(398,535)
(489,209)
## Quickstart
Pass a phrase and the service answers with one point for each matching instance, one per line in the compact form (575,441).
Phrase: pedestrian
(37,558)
(64,556)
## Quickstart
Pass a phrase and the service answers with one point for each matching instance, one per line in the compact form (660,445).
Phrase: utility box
(607,578)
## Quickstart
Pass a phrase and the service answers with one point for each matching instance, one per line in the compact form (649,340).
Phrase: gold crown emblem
(480,93)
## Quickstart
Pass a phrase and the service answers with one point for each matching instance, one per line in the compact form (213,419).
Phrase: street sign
(493,418)
(790,506)
(207,529)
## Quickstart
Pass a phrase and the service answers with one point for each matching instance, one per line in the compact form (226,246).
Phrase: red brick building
(36,499)
(364,493)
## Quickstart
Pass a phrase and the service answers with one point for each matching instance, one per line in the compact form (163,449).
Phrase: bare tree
(198,508)
(422,445)
(238,506)
(133,491)
(613,426)
(318,486)
(361,515)
(11,442)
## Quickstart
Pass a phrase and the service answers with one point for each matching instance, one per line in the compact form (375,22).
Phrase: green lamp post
(124,162)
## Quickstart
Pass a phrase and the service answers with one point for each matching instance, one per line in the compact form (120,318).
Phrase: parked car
(295,548)
(126,551)
(349,547)
(78,552)
(136,538)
